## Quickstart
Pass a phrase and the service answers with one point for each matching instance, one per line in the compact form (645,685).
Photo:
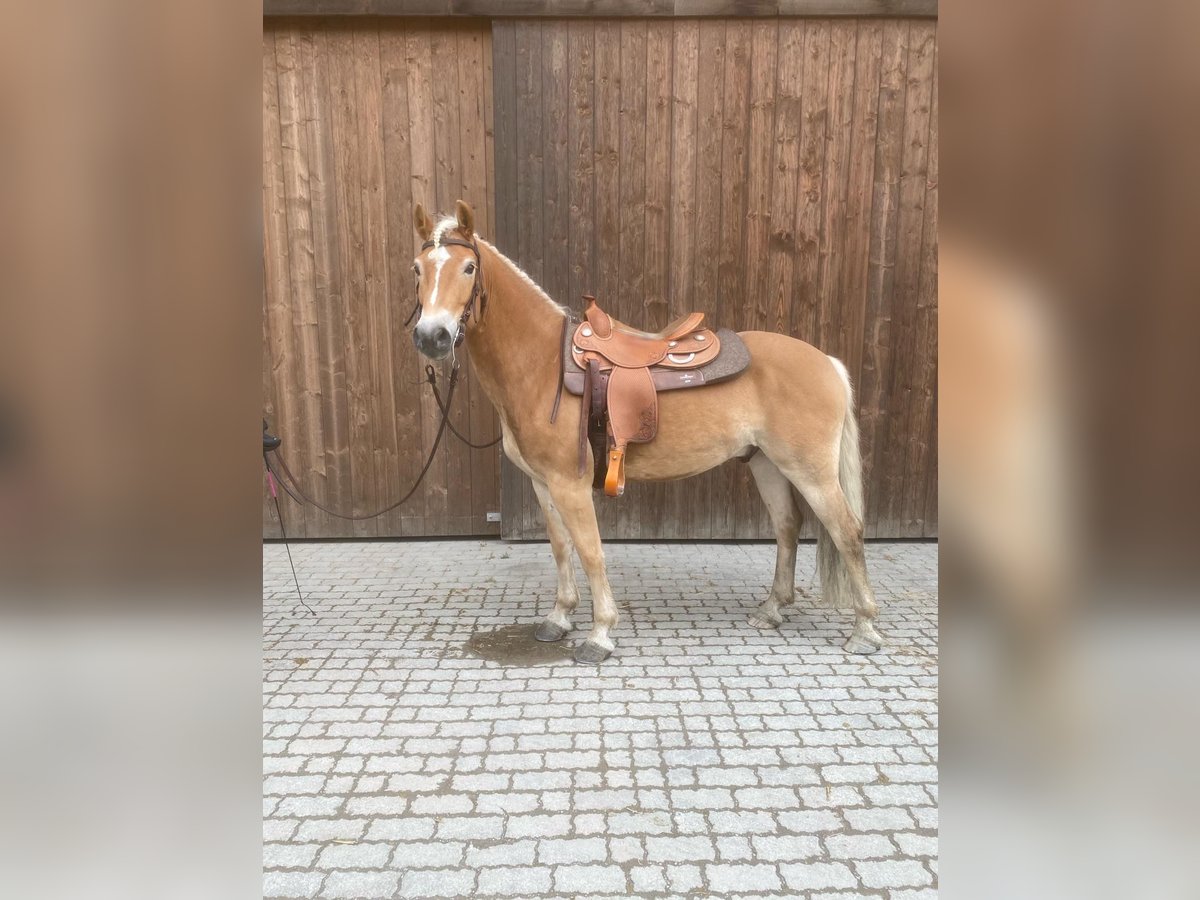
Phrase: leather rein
(291,484)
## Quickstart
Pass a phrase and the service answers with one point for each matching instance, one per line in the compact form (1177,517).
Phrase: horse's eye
(470,269)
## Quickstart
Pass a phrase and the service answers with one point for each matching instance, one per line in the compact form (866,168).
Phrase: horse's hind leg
(558,623)
(776,492)
(828,503)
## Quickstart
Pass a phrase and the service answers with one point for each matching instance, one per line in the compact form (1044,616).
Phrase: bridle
(478,292)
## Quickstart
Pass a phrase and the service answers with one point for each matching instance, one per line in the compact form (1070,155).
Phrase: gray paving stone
(727,878)
(817,876)
(589,879)
(703,757)
(292,884)
(518,882)
(442,883)
(360,884)
(892,873)
(572,850)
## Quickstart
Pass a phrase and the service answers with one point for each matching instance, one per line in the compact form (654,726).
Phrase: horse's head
(447,278)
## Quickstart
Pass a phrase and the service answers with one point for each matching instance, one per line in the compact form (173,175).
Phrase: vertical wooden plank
(349,217)
(781,255)
(684,127)
(752,313)
(735,138)
(271,526)
(813,113)
(730,498)
(632,116)
(832,335)
(881,267)
(581,229)
(449,189)
(907,432)
(281,409)
(856,250)
(655,306)
(676,499)
(489,136)
(635,520)
(607,203)
(423,179)
(607,123)
(397,164)
(907,275)
(530,242)
(482,421)
(710,100)
(750,514)
(382,444)
(928,305)
(314,58)
(300,259)
(518,509)
(556,187)
(654,311)
(504,117)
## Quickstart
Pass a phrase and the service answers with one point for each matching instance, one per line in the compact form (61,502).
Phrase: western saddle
(619,372)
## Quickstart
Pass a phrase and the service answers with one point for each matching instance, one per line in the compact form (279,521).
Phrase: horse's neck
(515,350)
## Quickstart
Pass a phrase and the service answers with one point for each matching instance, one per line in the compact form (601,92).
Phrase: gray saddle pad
(733,359)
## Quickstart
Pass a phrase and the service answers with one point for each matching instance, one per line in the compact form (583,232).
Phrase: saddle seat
(619,370)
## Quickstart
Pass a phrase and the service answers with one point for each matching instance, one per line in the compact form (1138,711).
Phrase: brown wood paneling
(360,119)
(779,175)
(590,8)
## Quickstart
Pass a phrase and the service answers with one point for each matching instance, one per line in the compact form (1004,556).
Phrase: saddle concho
(622,372)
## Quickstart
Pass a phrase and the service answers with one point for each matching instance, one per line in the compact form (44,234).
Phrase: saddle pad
(734,358)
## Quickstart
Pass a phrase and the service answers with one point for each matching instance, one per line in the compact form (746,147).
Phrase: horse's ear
(466,218)
(423,223)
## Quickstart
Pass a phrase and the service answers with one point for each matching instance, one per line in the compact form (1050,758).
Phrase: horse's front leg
(573,499)
(558,623)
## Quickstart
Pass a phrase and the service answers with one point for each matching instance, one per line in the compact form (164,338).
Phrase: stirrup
(614,480)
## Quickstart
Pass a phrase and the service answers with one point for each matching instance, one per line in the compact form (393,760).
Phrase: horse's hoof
(760,621)
(548,632)
(591,653)
(859,644)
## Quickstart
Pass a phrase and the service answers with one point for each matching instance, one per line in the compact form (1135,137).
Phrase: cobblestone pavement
(705,758)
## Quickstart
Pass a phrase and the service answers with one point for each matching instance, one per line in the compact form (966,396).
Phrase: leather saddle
(619,372)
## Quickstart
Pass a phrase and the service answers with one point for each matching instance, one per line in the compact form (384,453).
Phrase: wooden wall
(360,119)
(777,174)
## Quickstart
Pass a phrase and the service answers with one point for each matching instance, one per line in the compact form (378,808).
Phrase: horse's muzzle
(433,339)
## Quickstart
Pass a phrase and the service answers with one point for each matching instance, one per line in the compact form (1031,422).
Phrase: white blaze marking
(439,256)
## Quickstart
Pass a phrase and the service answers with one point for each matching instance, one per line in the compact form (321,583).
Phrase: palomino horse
(791,409)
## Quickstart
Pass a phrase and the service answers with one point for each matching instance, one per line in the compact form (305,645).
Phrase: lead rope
(270,442)
(288,479)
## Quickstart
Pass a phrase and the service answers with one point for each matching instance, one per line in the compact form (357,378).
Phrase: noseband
(477,289)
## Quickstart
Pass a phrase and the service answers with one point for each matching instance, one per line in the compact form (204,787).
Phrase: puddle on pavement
(515,645)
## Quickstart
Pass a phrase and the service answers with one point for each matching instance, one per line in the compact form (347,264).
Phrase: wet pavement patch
(515,645)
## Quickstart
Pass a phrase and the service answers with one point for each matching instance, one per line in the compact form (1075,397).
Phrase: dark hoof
(548,632)
(591,654)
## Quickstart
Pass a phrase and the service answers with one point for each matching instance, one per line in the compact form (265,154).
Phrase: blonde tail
(835,577)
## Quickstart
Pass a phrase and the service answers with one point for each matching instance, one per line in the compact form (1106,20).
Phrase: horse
(791,412)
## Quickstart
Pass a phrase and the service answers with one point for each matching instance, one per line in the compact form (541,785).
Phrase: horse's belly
(698,429)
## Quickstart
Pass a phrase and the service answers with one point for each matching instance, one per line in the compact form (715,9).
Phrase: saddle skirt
(619,372)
